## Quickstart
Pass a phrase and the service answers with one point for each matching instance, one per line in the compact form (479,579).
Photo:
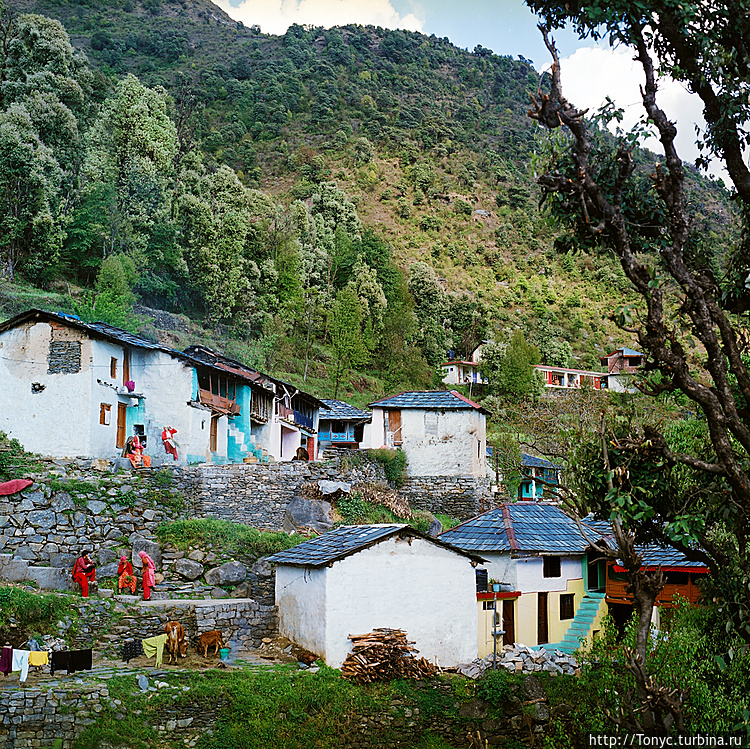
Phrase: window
(567,601)
(488,605)
(552,566)
(113,368)
(105,413)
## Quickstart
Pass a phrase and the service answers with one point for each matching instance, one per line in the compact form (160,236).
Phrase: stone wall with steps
(106,623)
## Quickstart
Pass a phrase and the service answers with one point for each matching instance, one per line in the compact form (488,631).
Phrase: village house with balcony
(71,388)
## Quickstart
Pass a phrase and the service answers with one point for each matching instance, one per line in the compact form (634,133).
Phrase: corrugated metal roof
(438,400)
(349,539)
(536,527)
(341,411)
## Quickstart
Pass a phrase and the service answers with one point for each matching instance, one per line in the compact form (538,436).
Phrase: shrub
(230,537)
(393,462)
(497,687)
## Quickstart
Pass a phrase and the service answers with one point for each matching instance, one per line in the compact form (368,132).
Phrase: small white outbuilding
(355,579)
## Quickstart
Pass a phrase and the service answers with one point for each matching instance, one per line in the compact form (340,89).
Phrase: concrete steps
(588,612)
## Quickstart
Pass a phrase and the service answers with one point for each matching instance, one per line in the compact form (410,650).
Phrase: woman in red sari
(126,578)
(148,574)
(84,572)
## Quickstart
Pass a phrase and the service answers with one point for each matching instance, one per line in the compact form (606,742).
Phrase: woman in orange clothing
(84,572)
(126,578)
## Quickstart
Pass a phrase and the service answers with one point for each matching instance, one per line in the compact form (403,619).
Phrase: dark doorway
(509,637)
(542,633)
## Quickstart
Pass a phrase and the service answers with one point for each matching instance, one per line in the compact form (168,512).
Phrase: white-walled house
(71,388)
(355,579)
(546,591)
(442,432)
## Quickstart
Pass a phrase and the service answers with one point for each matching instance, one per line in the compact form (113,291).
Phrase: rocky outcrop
(230,573)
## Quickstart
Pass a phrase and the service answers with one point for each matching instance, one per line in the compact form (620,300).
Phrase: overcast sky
(590,72)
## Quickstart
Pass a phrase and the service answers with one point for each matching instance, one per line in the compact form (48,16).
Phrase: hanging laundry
(16,485)
(60,660)
(71,660)
(38,658)
(131,649)
(80,660)
(154,646)
(6,660)
(21,663)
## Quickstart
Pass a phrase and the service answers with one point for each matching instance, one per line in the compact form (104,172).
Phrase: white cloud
(591,74)
(275,16)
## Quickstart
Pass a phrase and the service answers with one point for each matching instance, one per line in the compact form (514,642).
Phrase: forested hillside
(337,206)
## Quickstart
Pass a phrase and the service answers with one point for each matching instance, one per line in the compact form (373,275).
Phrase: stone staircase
(589,613)
(248,451)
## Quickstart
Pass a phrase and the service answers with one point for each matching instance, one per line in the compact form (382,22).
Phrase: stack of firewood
(382,655)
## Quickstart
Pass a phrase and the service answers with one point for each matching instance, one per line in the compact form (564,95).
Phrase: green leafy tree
(510,368)
(347,341)
(683,301)
(132,147)
(216,223)
(431,306)
(29,191)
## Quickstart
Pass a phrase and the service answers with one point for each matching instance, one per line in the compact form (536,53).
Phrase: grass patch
(15,462)
(32,612)
(229,537)
(276,707)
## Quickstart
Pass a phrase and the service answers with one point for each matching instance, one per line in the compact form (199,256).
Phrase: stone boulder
(105,556)
(188,569)
(42,519)
(231,573)
(150,547)
(62,501)
(303,513)
(108,570)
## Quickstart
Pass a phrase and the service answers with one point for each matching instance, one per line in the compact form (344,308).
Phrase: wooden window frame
(567,606)
(113,368)
(105,414)
(552,566)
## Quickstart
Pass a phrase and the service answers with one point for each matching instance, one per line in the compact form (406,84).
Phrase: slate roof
(340,411)
(429,400)
(532,461)
(349,539)
(624,352)
(653,555)
(533,527)
(194,355)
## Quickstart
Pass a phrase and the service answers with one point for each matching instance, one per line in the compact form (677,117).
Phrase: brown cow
(207,639)
(176,644)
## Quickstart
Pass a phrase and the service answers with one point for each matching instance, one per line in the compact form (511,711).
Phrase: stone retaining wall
(257,494)
(74,506)
(460,497)
(37,718)
(244,622)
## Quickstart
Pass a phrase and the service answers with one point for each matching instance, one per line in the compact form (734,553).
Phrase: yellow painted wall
(526,617)
(558,628)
